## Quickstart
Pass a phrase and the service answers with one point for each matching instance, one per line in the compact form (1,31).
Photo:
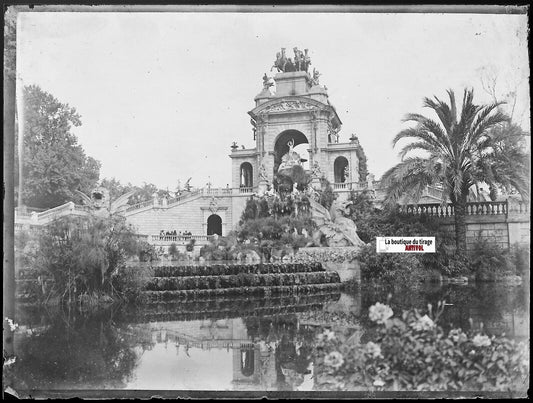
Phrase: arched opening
(247,362)
(300,146)
(214,225)
(340,170)
(247,175)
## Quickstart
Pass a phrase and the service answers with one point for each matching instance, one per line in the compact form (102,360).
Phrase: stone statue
(316,77)
(316,172)
(289,66)
(346,173)
(283,64)
(291,158)
(188,183)
(267,82)
(100,202)
(307,60)
(262,173)
(299,60)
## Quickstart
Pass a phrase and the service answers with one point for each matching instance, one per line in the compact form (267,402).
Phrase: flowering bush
(413,353)
(379,313)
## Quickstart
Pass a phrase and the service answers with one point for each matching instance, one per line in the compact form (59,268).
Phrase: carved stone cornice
(290,106)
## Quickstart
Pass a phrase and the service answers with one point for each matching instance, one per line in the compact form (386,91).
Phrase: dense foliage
(363,161)
(485,262)
(234,269)
(78,258)
(326,195)
(270,225)
(275,224)
(54,165)
(413,353)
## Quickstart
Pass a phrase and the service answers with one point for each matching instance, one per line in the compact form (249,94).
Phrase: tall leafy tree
(457,153)
(54,164)
(143,193)
(115,188)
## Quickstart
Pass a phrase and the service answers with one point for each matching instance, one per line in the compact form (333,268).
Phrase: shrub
(326,194)
(129,283)
(80,254)
(413,353)
(146,252)
(520,255)
(190,245)
(490,262)
(389,267)
(173,249)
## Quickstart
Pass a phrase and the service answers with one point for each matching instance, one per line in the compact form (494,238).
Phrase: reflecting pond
(228,344)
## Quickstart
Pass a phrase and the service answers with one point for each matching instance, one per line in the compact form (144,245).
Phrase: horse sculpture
(281,61)
(283,64)
(299,59)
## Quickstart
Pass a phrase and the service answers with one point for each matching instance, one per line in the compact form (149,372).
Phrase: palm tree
(458,148)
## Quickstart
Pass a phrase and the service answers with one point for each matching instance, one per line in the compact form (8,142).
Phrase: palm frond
(419,145)
(410,177)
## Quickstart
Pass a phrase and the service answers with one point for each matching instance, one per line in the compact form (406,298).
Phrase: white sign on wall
(405,244)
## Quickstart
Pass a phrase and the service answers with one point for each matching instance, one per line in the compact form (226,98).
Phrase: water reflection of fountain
(269,353)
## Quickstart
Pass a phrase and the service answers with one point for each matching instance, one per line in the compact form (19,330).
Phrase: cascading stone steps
(178,283)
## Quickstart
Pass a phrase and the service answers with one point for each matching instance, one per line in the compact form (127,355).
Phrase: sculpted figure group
(285,64)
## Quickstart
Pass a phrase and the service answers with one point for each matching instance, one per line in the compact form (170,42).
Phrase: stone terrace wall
(327,254)
(501,224)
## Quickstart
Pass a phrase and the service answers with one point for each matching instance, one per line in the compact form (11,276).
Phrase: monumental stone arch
(298,110)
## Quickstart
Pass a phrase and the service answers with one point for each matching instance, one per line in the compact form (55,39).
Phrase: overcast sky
(163,95)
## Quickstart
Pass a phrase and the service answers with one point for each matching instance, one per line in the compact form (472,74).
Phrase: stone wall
(501,224)
(497,231)
(190,215)
(327,254)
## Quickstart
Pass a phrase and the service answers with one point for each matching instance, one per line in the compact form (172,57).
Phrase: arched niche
(340,170)
(300,146)
(247,175)
(247,361)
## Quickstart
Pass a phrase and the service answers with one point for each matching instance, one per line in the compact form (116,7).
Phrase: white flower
(329,335)
(480,341)
(380,313)
(334,359)
(326,335)
(379,382)
(373,349)
(423,323)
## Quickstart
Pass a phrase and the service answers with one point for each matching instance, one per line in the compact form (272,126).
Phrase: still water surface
(238,344)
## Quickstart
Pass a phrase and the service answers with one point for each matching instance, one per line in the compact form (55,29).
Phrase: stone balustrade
(447,210)
(179,238)
(55,212)
(160,202)
(350,186)
(141,205)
